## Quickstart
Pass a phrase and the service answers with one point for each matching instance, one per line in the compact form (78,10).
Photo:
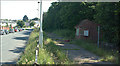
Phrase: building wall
(36,24)
(93,32)
(14,24)
(27,24)
(9,23)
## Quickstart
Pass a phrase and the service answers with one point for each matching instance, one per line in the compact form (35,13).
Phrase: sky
(17,9)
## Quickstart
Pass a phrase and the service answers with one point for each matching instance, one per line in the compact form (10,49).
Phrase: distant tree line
(21,23)
(25,18)
(65,15)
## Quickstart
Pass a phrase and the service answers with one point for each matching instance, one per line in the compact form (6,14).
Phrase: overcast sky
(17,9)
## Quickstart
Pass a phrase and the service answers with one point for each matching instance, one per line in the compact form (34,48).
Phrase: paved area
(76,53)
(12,45)
(81,56)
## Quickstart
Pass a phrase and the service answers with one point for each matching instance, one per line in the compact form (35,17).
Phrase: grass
(28,56)
(105,55)
(56,52)
(90,46)
(44,57)
(65,33)
(49,54)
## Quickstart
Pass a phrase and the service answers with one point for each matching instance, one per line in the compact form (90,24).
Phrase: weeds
(28,57)
(50,54)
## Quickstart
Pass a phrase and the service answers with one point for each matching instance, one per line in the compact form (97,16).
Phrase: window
(86,32)
(77,32)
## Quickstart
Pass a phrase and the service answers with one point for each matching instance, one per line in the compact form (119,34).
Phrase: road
(12,45)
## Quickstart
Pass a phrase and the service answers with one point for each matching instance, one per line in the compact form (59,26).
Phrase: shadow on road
(5,63)
(25,33)
(21,38)
(18,49)
(29,31)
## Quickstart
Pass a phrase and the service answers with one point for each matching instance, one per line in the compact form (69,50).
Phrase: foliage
(106,15)
(66,15)
(6,24)
(10,26)
(20,23)
(67,34)
(32,23)
(35,18)
(25,18)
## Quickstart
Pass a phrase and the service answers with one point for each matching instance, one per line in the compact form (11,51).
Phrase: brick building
(87,30)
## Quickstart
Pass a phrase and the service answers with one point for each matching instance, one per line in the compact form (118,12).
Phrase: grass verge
(28,56)
(49,54)
(56,52)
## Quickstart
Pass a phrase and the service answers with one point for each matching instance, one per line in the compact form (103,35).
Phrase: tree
(32,23)
(20,23)
(10,26)
(6,24)
(35,18)
(25,18)
(65,15)
(107,16)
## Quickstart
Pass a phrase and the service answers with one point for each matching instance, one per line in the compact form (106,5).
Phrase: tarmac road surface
(12,45)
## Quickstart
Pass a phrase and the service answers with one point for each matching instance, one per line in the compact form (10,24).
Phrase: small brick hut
(87,30)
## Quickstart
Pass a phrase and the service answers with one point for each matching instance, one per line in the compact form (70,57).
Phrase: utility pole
(41,31)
